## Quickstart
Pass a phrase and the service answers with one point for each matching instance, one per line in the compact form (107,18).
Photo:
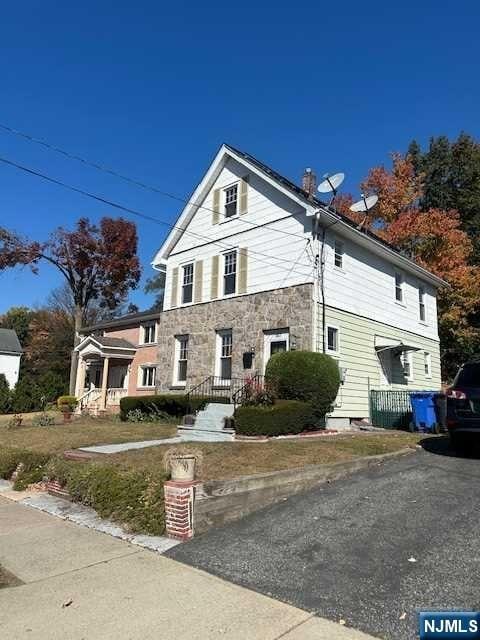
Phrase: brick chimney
(309,182)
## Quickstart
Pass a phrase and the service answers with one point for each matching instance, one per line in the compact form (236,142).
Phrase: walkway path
(81,584)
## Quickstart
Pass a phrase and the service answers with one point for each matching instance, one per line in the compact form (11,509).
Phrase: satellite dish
(331,183)
(365,204)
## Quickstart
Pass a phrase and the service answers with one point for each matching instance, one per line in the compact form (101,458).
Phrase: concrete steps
(208,426)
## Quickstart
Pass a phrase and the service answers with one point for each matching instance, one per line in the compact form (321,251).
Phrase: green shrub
(5,395)
(27,396)
(34,465)
(284,417)
(67,403)
(132,498)
(171,404)
(43,420)
(306,376)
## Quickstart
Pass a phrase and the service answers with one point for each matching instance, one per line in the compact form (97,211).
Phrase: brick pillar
(179,505)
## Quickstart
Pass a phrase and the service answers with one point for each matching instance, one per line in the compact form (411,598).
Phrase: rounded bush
(282,418)
(67,403)
(306,376)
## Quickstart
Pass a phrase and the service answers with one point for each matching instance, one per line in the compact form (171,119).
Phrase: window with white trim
(332,339)
(182,359)
(399,286)
(338,254)
(407,364)
(149,333)
(231,200)
(187,283)
(147,376)
(421,304)
(427,363)
(230,273)
(224,355)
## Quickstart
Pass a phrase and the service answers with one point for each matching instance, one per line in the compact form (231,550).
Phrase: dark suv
(463,404)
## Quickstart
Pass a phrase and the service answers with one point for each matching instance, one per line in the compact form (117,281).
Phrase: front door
(275,342)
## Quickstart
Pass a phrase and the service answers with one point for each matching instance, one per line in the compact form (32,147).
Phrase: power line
(113,172)
(139,214)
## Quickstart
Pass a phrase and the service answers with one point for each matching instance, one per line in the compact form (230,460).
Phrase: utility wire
(139,214)
(133,181)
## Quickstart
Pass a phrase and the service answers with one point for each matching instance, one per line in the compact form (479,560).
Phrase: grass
(224,460)
(81,432)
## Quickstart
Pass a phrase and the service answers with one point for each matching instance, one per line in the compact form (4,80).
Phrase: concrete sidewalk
(118,591)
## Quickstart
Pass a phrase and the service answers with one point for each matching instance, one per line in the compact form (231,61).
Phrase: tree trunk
(78,317)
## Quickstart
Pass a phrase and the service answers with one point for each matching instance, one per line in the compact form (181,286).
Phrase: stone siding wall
(247,316)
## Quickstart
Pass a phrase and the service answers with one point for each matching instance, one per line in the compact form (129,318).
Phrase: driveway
(371,549)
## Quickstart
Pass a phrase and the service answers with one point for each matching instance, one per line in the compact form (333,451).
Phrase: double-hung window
(231,201)
(225,355)
(332,339)
(421,304)
(182,359)
(187,285)
(398,286)
(427,363)
(149,333)
(338,254)
(148,376)
(230,273)
(406,360)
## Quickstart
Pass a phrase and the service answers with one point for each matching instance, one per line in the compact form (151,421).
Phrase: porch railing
(214,389)
(115,395)
(92,395)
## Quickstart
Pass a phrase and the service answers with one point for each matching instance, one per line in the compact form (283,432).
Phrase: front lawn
(223,460)
(81,432)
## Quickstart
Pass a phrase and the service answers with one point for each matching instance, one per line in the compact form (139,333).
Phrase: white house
(256,264)
(10,354)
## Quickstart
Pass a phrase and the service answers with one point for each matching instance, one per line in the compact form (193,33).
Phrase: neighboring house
(256,265)
(10,354)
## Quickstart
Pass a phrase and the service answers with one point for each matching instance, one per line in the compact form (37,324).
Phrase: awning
(393,344)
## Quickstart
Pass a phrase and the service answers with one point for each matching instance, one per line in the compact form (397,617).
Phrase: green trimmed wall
(357,354)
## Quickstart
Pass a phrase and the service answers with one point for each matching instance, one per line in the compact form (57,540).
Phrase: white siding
(366,286)
(10,367)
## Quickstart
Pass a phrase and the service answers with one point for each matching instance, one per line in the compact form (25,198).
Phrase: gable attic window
(398,286)
(230,273)
(231,201)
(187,286)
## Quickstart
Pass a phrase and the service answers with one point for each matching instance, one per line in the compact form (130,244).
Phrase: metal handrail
(215,387)
(238,396)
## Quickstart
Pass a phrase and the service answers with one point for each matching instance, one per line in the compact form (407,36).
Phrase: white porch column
(103,396)
(81,370)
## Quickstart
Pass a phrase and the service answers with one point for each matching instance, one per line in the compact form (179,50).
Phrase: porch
(103,371)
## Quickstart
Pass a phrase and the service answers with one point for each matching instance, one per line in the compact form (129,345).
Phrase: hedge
(132,498)
(282,418)
(306,376)
(176,405)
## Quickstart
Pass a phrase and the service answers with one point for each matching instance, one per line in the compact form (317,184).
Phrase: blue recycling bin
(424,411)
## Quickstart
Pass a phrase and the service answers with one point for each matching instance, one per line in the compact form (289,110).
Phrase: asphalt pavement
(372,549)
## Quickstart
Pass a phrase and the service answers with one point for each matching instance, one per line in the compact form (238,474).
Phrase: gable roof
(312,205)
(128,319)
(9,342)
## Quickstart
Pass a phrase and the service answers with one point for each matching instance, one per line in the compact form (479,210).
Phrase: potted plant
(183,463)
(66,405)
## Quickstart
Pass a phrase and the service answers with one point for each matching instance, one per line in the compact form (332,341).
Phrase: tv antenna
(331,183)
(365,204)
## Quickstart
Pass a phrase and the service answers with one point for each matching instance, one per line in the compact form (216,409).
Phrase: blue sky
(152,89)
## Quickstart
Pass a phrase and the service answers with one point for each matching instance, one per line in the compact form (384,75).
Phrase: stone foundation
(248,317)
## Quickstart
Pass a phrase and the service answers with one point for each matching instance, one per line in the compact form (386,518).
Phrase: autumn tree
(98,262)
